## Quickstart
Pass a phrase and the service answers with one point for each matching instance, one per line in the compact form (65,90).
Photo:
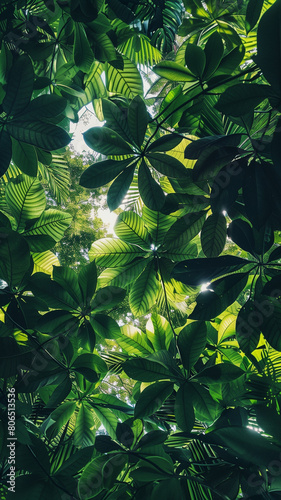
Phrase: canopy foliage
(189,99)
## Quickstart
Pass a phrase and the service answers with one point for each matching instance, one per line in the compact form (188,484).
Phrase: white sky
(80,147)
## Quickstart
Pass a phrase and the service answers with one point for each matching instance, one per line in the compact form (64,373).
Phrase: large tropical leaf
(126,81)
(40,134)
(26,199)
(143,292)
(52,223)
(112,252)
(130,227)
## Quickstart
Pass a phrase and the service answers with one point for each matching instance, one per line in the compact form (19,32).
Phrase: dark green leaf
(196,272)
(219,374)
(242,98)
(248,327)
(213,51)
(213,235)
(105,327)
(253,13)
(19,86)
(106,141)
(184,412)
(224,292)
(119,187)
(195,59)
(5,151)
(14,257)
(150,191)
(146,370)
(191,342)
(268,43)
(164,143)
(152,398)
(82,52)
(42,135)
(137,120)
(25,157)
(167,165)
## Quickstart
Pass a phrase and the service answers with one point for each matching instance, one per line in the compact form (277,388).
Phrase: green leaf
(123,276)
(130,227)
(144,291)
(107,418)
(14,257)
(52,223)
(184,230)
(40,134)
(126,81)
(214,52)
(196,272)
(25,157)
(146,370)
(224,292)
(191,342)
(106,141)
(240,99)
(19,86)
(26,199)
(213,235)
(253,13)
(157,224)
(183,252)
(105,327)
(268,44)
(167,165)
(90,482)
(219,374)
(150,191)
(60,393)
(119,187)
(267,316)
(46,107)
(206,409)
(13,355)
(76,462)
(5,151)
(90,361)
(112,252)
(152,398)
(116,119)
(68,280)
(257,194)
(44,262)
(241,233)
(173,71)
(245,444)
(82,52)
(164,143)
(137,120)
(61,416)
(248,327)
(184,411)
(213,142)
(159,332)
(57,322)
(51,292)
(84,434)
(87,280)
(133,341)
(107,298)
(195,59)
